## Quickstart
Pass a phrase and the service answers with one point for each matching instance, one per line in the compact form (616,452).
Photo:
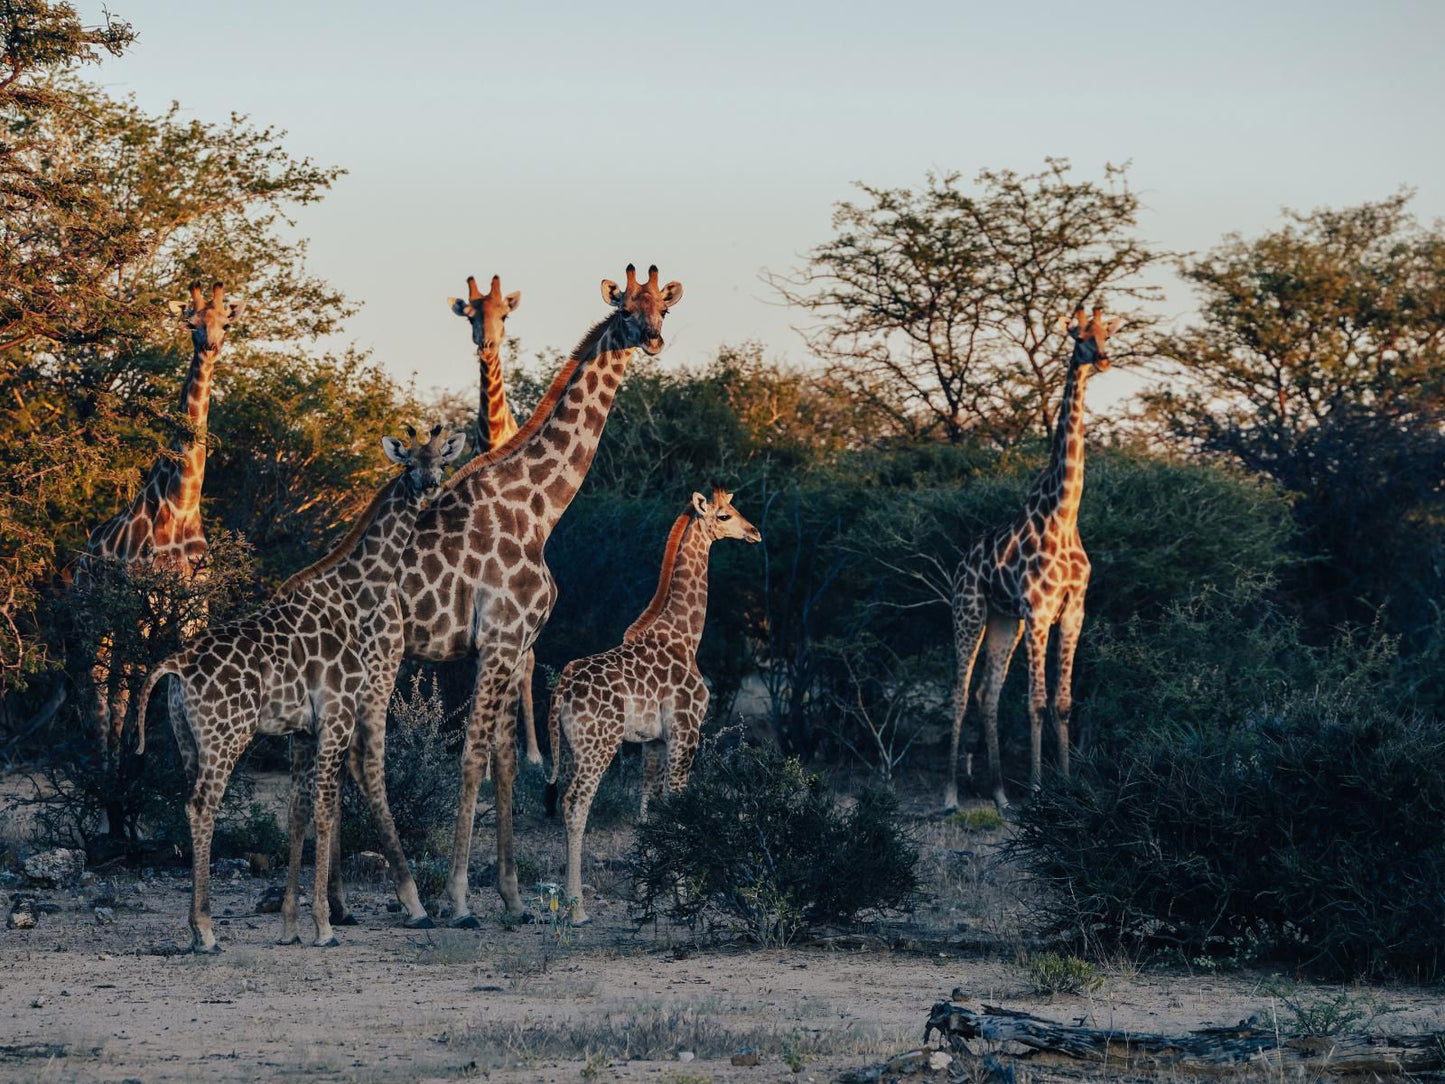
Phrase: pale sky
(552,143)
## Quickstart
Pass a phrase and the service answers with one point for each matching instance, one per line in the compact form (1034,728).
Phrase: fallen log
(1206,1050)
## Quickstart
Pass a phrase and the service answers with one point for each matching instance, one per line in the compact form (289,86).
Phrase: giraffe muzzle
(653,345)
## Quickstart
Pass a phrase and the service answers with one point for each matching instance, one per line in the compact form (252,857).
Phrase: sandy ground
(81,1000)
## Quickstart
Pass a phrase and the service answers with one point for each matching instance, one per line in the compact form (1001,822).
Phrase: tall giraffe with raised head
(496,423)
(475,581)
(162,525)
(297,666)
(648,688)
(1020,579)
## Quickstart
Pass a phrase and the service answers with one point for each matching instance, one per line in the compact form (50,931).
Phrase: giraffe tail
(554,737)
(169,666)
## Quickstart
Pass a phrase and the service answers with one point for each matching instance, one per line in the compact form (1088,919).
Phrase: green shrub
(1309,829)
(760,840)
(1052,974)
(976,820)
(1324,1015)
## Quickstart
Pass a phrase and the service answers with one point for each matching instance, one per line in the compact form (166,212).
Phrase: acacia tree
(937,308)
(1316,360)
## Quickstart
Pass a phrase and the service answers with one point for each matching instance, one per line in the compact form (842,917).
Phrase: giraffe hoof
(203,950)
(330,942)
(585,920)
(294,939)
(466,922)
(345,920)
(423,923)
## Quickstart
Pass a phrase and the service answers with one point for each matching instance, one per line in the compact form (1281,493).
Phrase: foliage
(1325,1015)
(976,820)
(1053,974)
(938,308)
(422,746)
(760,840)
(1274,824)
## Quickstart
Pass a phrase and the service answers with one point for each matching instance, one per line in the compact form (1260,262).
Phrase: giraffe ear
(237,307)
(452,447)
(460,307)
(672,294)
(1113,325)
(611,293)
(395,450)
(699,504)
(513,300)
(178,308)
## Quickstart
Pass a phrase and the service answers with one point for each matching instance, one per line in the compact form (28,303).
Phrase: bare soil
(82,999)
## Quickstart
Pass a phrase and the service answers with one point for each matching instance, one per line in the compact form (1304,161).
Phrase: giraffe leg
(329,755)
(303,787)
(201,811)
(1037,632)
(589,767)
(529,719)
(181,729)
(652,781)
(490,734)
(1071,623)
(369,766)
(970,612)
(336,886)
(1001,636)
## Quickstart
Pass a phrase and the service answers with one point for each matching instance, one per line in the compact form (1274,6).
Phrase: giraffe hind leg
(1001,637)
(969,614)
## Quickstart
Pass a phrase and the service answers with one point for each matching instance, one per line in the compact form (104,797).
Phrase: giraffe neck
(189,472)
(684,613)
(500,423)
(368,555)
(1060,487)
(561,438)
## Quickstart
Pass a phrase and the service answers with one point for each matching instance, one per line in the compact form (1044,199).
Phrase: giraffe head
(487,313)
(207,319)
(1091,337)
(720,519)
(424,461)
(644,305)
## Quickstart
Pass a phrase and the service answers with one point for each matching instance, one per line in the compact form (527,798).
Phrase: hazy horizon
(554,146)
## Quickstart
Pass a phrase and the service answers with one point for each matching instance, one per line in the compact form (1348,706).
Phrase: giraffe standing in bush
(648,688)
(1019,580)
(474,580)
(302,665)
(162,525)
(496,424)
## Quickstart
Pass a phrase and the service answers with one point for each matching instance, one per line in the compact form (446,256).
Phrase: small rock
(48,908)
(104,915)
(685,1055)
(939,1060)
(22,914)
(224,866)
(270,902)
(58,868)
(746,1056)
(38,1003)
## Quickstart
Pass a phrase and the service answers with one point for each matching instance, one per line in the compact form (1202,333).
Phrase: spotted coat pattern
(647,689)
(1019,580)
(297,666)
(162,525)
(474,579)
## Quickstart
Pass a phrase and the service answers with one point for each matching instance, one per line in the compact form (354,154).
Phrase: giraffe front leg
(1001,637)
(1038,653)
(969,614)
(587,772)
(1071,624)
(506,776)
(303,786)
(329,755)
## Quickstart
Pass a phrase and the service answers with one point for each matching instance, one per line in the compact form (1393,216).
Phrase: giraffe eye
(723,515)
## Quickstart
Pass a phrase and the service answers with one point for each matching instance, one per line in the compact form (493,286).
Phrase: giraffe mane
(560,383)
(344,548)
(664,580)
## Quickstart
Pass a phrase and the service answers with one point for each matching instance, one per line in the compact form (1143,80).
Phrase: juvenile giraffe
(474,579)
(1020,579)
(162,525)
(648,688)
(487,313)
(298,666)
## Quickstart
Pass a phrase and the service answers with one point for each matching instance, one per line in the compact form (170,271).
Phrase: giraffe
(487,313)
(162,525)
(474,579)
(297,666)
(1020,579)
(647,689)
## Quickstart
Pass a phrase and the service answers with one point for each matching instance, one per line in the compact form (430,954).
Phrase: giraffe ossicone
(647,689)
(300,666)
(1021,579)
